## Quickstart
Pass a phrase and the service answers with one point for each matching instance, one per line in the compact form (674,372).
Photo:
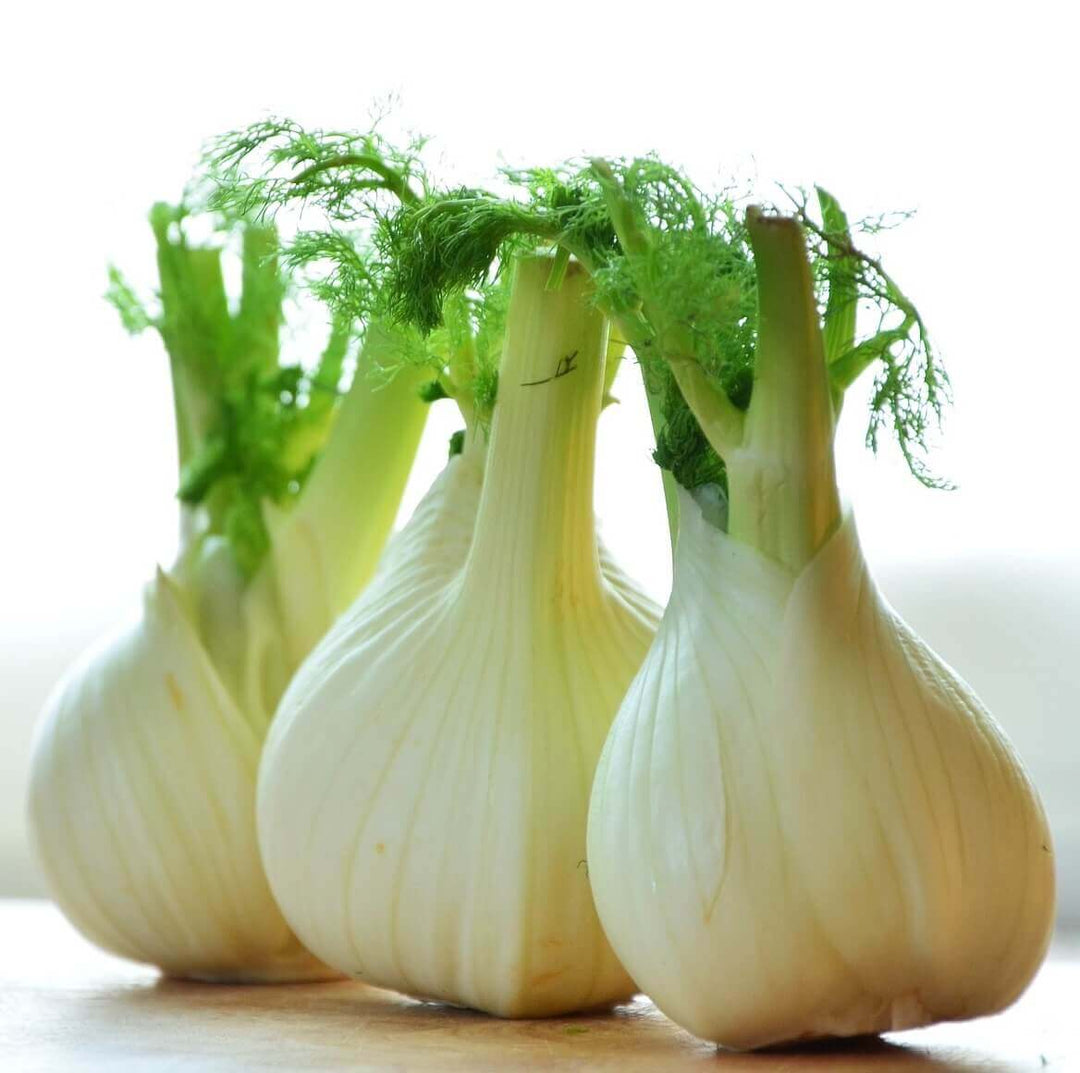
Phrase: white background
(966,113)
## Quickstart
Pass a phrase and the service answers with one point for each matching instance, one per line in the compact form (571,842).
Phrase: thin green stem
(850,366)
(720,419)
(838,333)
(392,179)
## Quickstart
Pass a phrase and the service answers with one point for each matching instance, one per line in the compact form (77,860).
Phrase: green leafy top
(248,426)
(459,240)
(675,270)
(350,176)
(357,183)
(912,387)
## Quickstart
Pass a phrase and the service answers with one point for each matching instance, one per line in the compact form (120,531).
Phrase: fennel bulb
(804,823)
(423,791)
(142,790)
(142,806)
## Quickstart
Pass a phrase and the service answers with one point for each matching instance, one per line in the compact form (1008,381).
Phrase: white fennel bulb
(142,806)
(804,823)
(143,778)
(423,792)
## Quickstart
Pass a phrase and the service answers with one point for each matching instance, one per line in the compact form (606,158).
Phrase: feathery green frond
(134,315)
(673,267)
(361,184)
(333,266)
(681,447)
(912,388)
(456,241)
(276,162)
(686,261)
(447,245)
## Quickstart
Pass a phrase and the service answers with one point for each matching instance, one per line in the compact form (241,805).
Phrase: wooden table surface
(66,1006)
